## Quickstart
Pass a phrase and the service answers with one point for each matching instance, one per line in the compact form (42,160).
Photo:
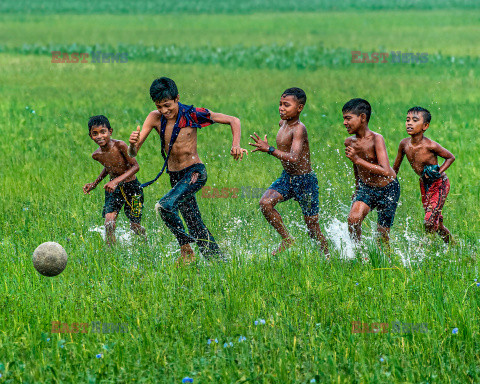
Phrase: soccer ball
(49,259)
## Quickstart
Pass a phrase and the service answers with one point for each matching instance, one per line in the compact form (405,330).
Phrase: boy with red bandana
(422,155)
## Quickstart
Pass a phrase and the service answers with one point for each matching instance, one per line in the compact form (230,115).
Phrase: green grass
(308,305)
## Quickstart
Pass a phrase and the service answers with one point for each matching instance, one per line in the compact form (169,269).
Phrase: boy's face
(168,108)
(101,135)
(415,123)
(353,122)
(289,107)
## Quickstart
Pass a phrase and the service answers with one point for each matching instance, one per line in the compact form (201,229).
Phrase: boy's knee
(354,219)
(265,204)
(164,206)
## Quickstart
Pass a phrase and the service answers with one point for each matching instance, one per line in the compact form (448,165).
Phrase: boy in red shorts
(422,155)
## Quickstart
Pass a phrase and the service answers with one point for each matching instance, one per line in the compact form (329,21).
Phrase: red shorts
(433,200)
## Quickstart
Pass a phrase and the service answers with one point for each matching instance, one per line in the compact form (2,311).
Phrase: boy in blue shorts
(123,189)
(298,180)
(376,182)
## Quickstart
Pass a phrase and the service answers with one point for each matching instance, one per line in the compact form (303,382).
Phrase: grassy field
(236,64)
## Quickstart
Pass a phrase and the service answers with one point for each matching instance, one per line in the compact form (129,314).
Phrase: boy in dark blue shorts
(376,182)
(297,181)
(123,189)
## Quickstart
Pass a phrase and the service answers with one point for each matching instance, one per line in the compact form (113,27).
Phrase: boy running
(298,180)
(422,155)
(177,125)
(123,189)
(376,182)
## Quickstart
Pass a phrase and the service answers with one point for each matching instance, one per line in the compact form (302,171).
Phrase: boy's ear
(363,117)
(177,98)
(425,126)
(300,107)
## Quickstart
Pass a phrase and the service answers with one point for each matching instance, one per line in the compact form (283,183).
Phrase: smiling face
(289,107)
(415,123)
(353,122)
(168,108)
(101,135)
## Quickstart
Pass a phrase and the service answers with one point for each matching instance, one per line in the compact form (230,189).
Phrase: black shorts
(128,195)
(385,199)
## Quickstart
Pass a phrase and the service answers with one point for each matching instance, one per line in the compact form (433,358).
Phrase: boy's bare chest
(185,136)
(365,148)
(112,159)
(284,138)
(418,153)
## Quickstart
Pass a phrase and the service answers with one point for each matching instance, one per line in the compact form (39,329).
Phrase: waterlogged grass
(175,315)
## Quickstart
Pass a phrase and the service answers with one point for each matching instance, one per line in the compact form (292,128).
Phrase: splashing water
(123,235)
(337,232)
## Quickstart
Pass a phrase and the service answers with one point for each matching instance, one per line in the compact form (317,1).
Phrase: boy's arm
(295,150)
(90,186)
(138,137)
(133,169)
(447,155)
(234,122)
(399,158)
(382,168)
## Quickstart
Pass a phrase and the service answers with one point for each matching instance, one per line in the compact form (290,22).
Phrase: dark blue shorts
(303,188)
(385,199)
(127,195)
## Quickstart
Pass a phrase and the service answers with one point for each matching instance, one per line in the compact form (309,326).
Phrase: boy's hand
(134,136)
(88,187)
(261,145)
(351,154)
(237,152)
(111,186)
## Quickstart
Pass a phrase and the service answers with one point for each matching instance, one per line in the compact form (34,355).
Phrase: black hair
(358,106)
(163,88)
(98,121)
(297,93)
(427,116)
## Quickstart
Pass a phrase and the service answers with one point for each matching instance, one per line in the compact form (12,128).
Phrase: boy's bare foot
(187,256)
(284,245)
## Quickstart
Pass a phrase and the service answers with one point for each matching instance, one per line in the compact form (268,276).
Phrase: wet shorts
(303,188)
(129,195)
(434,195)
(384,199)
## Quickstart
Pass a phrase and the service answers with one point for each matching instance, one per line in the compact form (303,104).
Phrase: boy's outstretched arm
(234,122)
(447,155)
(90,186)
(138,137)
(134,167)
(382,168)
(399,158)
(295,150)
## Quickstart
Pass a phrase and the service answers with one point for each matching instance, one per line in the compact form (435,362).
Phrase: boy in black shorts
(376,182)
(298,180)
(123,189)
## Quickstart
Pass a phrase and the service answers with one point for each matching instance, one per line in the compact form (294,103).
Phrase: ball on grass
(49,259)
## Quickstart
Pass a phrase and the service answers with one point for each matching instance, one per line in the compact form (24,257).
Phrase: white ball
(49,259)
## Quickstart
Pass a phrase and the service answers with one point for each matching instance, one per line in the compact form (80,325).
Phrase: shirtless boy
(376,182)
(298,180)
(177,126)
(123,189)
(422,154)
